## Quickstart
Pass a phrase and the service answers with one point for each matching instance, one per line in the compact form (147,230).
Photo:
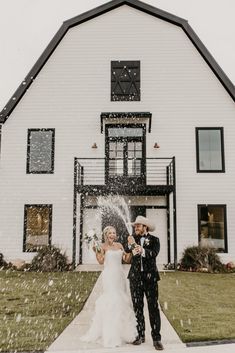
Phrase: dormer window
(125,80)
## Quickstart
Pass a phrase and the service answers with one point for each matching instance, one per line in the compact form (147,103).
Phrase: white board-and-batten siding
(71,91)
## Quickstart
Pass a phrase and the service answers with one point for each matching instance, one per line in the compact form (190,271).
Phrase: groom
(144,277)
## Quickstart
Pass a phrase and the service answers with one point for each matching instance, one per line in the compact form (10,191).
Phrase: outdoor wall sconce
(94,145)
(156,145)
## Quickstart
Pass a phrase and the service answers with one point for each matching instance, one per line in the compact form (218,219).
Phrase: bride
(114,321)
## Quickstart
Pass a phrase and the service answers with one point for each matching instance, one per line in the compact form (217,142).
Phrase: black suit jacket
(152,248)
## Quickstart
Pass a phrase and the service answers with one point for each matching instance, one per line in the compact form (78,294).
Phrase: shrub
(49,259)
(4,264)
(197,258)
(170,266)
(230,267)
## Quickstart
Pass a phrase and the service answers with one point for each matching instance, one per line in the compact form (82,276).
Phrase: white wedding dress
(114,322)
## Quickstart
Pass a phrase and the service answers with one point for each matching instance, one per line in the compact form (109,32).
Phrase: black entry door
(125,154)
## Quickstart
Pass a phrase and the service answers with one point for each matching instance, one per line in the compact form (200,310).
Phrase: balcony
(97,176)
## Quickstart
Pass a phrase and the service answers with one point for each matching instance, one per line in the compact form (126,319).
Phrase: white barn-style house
(124,100)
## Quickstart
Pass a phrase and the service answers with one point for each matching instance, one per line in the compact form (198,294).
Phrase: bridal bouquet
(91,237)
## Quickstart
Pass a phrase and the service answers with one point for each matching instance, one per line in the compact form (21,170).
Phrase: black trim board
(168,229)
(126,117)
(178,21)
(146,206)
(75,176)
(81,228)
(149,190)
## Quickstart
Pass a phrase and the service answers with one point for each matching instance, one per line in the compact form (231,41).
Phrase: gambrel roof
(75,21)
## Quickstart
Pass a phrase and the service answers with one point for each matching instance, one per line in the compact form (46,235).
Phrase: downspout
(174,215)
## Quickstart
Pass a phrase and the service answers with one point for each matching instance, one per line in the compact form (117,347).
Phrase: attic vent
(125,80)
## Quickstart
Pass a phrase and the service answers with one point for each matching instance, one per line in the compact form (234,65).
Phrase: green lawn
(200,306)
(36,307)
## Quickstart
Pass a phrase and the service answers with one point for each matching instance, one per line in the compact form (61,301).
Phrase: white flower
(18,318)
(91,236)
(146,241)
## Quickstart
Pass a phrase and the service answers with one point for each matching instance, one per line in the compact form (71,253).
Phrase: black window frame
(222,170)
(51,171)
(224,206)
(50,206)
(125,97)
(125,178)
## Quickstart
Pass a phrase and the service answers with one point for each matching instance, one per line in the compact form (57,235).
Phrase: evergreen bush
(49,259)
(198,258)
(4,264)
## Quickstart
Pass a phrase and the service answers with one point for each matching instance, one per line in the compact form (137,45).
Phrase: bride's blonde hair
(106,232)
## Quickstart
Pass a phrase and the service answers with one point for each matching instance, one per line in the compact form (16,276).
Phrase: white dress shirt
(142,239)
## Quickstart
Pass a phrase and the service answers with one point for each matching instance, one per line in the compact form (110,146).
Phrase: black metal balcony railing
(94,171)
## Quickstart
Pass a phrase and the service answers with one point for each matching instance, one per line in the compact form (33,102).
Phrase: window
(125,80)
(210,149)
(37,226)
(125,151)
(40,151)
(212,226)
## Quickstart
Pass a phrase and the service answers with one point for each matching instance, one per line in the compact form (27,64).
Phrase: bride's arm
(126,256)
(100,255)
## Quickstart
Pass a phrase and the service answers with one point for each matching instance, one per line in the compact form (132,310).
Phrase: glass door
(125,153)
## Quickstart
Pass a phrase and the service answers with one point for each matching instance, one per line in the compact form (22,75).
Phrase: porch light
(94,145)
(156,145)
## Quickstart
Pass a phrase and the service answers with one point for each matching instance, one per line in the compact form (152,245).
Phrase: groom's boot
(138,341)
(158,345)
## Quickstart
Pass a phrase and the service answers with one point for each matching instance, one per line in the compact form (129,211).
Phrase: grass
(200,306)
(36,307)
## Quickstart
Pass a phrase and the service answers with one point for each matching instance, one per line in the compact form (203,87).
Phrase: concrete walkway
(69,340)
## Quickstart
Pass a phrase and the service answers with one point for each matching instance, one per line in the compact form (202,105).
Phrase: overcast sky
(27,26)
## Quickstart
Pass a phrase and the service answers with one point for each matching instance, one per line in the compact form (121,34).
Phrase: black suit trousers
(146,284)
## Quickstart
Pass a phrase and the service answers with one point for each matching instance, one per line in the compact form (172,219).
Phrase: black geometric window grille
(125,80)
